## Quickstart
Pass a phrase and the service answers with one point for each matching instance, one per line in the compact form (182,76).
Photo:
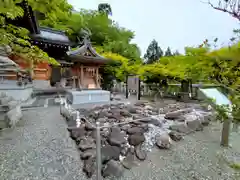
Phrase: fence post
(98,153)
(126,87)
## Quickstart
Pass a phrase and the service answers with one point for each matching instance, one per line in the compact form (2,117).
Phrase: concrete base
(18,93)
(75,97)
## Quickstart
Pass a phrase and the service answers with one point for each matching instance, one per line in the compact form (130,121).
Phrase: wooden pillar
(81,75)
(97,78)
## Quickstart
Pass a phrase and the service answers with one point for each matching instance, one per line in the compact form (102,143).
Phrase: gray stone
(153,121)
(125,113)
(163,141)
(89,153)
(116,137)
(175,136)
(136,139)
(135,130)
(181,128)
(129,161)
(77,133)
(112,168)
(176,114)
(140,153)
(86,143)
(89,166)
(195,125)
(110,152)
(131,109)
(13,116)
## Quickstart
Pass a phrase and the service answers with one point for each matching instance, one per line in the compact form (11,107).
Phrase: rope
(72,110)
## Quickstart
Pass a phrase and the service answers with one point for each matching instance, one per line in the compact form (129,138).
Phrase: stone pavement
(39,148)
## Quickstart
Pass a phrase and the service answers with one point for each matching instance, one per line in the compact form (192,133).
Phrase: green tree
(105,8)
(153,53)
(168,52)
(17,37)
(176,53)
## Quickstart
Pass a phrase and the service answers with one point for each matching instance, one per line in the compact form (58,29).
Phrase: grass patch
(235,166)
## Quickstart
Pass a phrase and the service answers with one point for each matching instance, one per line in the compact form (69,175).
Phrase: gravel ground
(197,157)
(40,148)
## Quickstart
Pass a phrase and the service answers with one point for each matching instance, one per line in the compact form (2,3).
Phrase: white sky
(173,23)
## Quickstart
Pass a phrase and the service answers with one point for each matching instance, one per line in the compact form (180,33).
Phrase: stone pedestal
(18,93)
(75,97)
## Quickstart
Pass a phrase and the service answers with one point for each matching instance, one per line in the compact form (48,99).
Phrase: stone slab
(75,97)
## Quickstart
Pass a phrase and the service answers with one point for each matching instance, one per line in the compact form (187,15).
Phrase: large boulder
(110,152)
(116,137)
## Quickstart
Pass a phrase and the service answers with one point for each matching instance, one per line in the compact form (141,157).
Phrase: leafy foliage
(168,52)
(105,8)
(17,37)
(154,52)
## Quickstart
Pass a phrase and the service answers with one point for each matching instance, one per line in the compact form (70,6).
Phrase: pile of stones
(10,111)
(130,131)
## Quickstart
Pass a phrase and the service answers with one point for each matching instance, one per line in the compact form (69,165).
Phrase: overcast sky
(173,23)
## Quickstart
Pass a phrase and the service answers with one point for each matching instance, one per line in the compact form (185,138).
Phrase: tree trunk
(225,132)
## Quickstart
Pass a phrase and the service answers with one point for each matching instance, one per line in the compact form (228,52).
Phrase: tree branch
(232,7)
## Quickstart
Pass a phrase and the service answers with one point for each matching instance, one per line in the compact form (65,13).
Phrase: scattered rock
(163,141)
(135,130)
(176,114)
(129,161)
(140,153)
(181,128)
(175,136)
(116,137)
(76,133)
(86,143)
(112,168)
(89,166)
(136,139)
(195,125)
(89,126)
(151,120)
(89,153)
(110,152)
(131,141)
(125,113)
